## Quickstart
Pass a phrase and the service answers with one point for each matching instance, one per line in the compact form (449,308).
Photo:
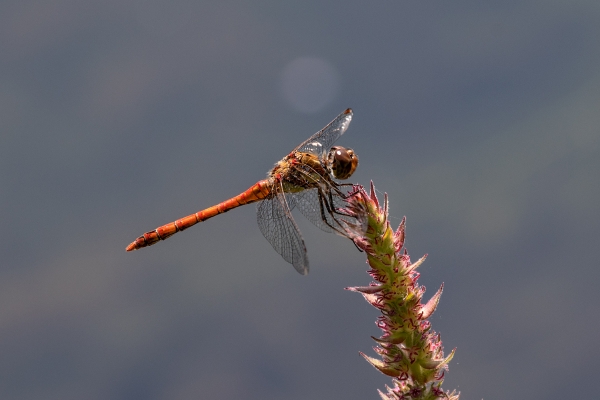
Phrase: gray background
(481,121)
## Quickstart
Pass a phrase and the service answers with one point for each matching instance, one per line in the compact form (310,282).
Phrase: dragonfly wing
(291,200)
(321,142)
(279,228)
(332,215)
(307,202)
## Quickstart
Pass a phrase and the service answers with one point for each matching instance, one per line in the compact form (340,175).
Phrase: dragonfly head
(342,162)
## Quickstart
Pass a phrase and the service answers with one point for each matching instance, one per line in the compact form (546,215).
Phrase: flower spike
(411,352)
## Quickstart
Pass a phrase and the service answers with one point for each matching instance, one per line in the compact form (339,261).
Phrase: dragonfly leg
(333,208)
(342,194)
(323,204)
(327,205)
(357,248)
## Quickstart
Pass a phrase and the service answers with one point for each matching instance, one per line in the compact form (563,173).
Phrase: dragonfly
(305,179)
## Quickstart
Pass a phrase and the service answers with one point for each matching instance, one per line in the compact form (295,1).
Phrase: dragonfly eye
(342,161)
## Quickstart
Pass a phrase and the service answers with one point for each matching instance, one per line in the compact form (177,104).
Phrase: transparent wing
(324,213)
(291,200)
(308,203)
(279,228)
(320,143)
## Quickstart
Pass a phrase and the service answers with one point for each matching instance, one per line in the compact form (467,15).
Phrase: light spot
(309,84)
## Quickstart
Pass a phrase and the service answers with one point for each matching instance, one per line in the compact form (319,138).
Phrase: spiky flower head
(409,350)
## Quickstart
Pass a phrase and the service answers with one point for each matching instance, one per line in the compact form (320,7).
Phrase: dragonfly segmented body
(304,179)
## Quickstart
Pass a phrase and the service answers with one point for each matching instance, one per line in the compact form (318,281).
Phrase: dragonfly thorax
(342,162)
(299,171)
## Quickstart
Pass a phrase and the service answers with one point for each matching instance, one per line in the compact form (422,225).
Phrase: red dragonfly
(305,179)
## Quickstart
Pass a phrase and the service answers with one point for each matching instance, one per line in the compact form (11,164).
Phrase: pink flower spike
(411,351)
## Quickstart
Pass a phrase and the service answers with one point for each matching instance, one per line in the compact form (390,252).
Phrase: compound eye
(342,161)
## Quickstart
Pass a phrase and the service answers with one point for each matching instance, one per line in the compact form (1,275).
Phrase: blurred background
(481,122)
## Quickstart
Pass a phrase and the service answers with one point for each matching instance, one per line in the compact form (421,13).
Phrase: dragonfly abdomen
(256,192)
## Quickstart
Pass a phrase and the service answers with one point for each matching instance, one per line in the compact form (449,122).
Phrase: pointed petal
(430,364)
(437,364)
(450,356)
(388,340)
(366,289)
(373,195)
(385,208)
(399,235)
(362,244)
(417,263)
(373,300)
(432,304)
(380,365)
(383,396)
